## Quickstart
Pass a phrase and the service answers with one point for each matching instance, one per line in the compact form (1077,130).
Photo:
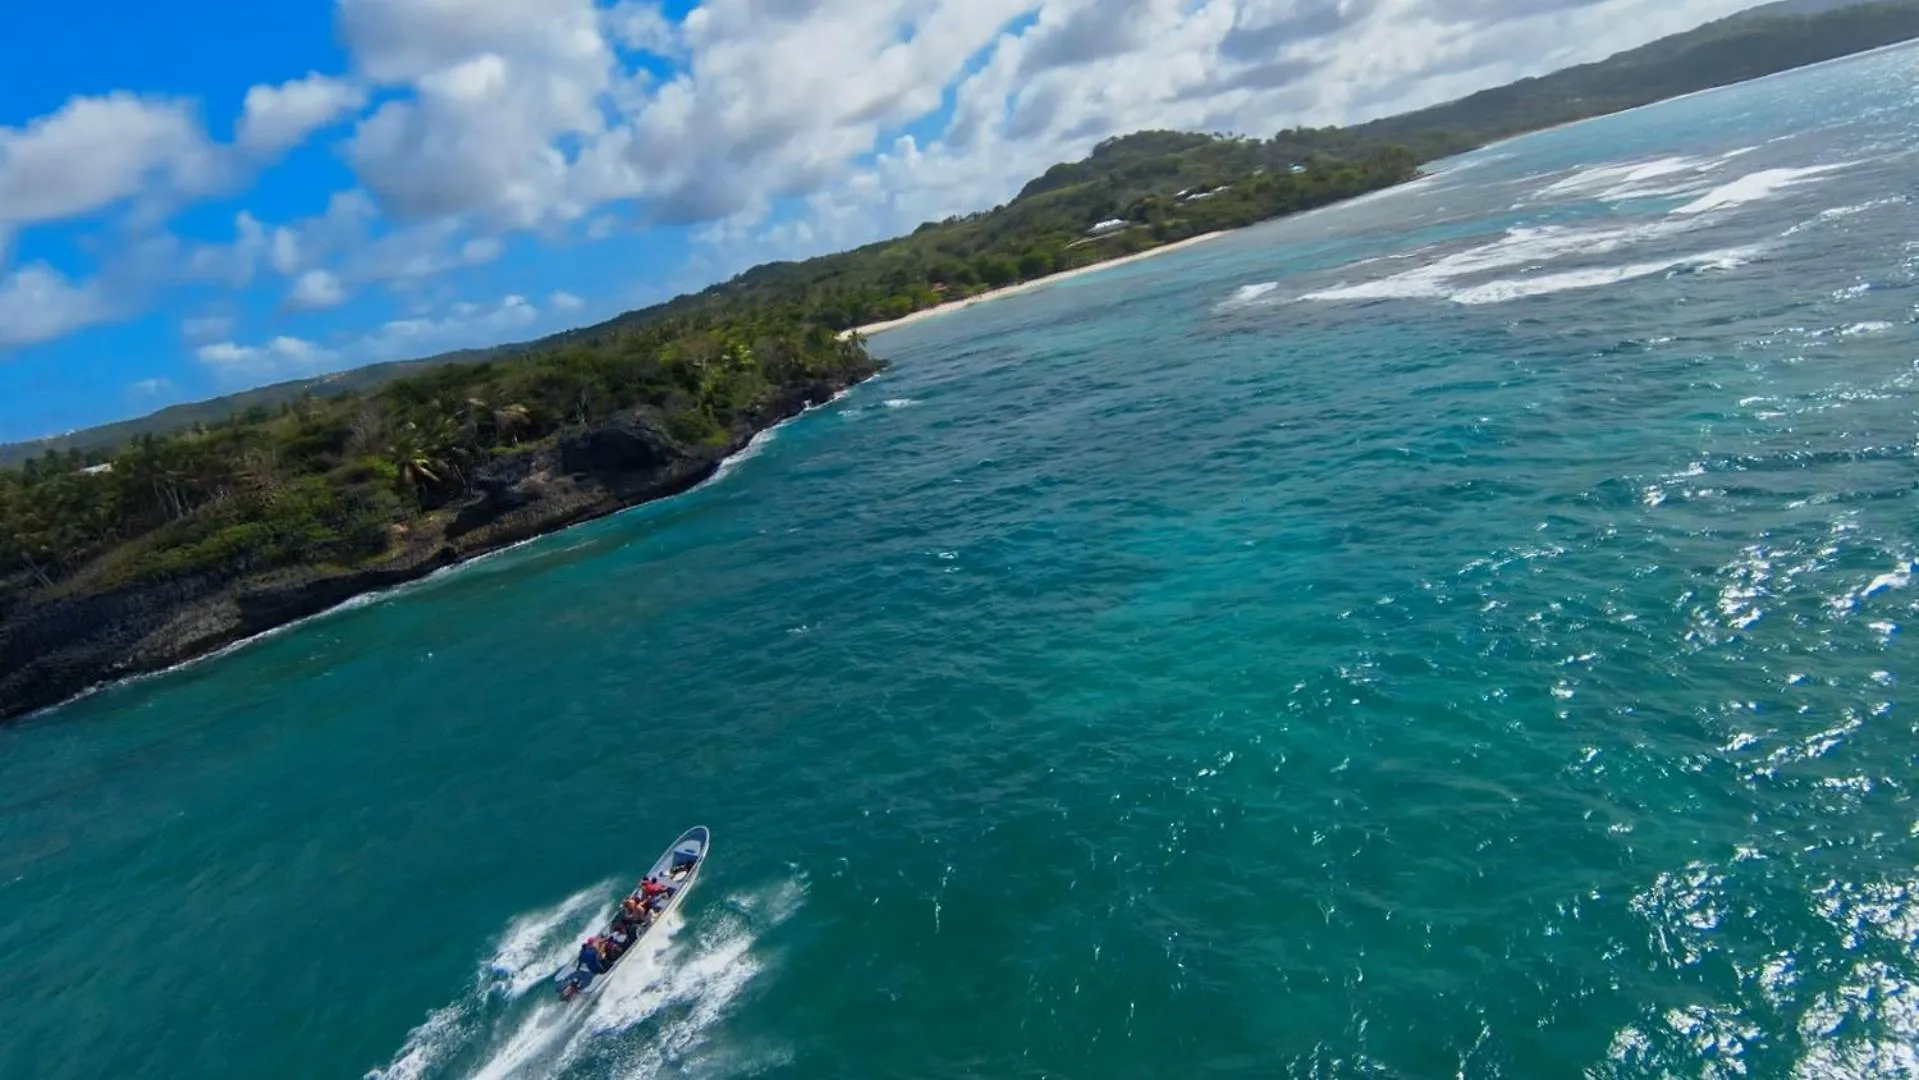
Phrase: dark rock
(629,443)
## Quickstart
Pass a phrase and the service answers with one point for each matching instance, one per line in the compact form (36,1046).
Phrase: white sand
(1026,286)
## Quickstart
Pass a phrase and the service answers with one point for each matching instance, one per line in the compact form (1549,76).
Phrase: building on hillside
(1110,225)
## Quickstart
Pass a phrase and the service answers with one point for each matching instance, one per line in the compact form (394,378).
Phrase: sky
(206,195)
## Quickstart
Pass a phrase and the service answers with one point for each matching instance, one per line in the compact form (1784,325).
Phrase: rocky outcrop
(53,648)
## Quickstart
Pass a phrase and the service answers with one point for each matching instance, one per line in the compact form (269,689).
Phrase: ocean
(1461,632)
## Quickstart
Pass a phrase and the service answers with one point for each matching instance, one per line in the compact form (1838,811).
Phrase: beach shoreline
(951,306)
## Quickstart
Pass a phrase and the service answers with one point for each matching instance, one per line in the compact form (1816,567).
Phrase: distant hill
(1142,179)
(1798,7)
(1760,41)
(182,417)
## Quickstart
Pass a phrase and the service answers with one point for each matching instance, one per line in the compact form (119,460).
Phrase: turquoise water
(1458,633)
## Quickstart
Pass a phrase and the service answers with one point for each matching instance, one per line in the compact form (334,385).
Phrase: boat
(676,871)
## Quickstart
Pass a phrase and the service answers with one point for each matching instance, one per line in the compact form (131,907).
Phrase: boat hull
(679,867)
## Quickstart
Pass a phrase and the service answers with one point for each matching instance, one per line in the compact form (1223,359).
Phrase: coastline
(1028,286)
(175,625)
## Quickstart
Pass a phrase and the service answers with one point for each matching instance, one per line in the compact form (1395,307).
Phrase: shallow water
(1462,631)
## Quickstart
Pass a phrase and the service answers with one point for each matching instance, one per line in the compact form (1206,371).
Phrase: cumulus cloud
(495,86)
(565,301)
(97,151)
(281,357)
(275,118)
(315,290)
(464,326)
(38,303)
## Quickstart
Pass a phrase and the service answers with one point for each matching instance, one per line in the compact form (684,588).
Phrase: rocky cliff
(56,647)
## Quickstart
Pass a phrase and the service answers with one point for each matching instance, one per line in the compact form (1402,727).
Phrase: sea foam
(1755,187)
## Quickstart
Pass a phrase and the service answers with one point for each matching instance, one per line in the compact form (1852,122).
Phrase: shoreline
(331,593)
(951,306)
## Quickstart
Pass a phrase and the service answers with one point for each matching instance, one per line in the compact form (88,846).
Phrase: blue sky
(205,195)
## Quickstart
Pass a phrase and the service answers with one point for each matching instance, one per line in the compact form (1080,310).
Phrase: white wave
(1593,178)
(1840,213)
(1865,328)
(706,985)
(682,981)
(1520,247)
(757,444)
(1499,292)
(1437,280)
(753,448)
(1897,579)
(555,1033)
(1837,212)
(1658,177)
(1246,295)
(531,948)
(1755,187)
(899,403)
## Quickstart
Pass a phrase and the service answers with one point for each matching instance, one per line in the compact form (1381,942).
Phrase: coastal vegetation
(333,481)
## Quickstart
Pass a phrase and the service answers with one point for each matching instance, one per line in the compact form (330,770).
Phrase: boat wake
(656,1013)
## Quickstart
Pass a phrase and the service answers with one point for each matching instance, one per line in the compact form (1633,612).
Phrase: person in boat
(632,916)
(593,958)
(614,946)
(654,893)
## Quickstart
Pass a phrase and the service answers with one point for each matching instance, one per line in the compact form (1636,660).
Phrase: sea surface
(1464,632)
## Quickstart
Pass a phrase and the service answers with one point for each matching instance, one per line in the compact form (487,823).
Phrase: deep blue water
(1461,632)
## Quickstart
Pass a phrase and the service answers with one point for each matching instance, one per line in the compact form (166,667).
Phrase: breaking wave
(1529,247)
(1755,187)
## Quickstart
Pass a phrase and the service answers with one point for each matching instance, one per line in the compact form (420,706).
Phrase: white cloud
(314,290)
(281,357)
(480,249)
(465,326)
(98,151)
(147,388)
(38,303)
(275,118)
(642,27)
(565,301)
(206,328)
(226,352)
(496,85)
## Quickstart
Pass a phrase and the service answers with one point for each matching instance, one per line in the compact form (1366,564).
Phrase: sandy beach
(1027,286)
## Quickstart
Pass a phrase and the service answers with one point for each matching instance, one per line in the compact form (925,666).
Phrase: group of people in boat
(637,912)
